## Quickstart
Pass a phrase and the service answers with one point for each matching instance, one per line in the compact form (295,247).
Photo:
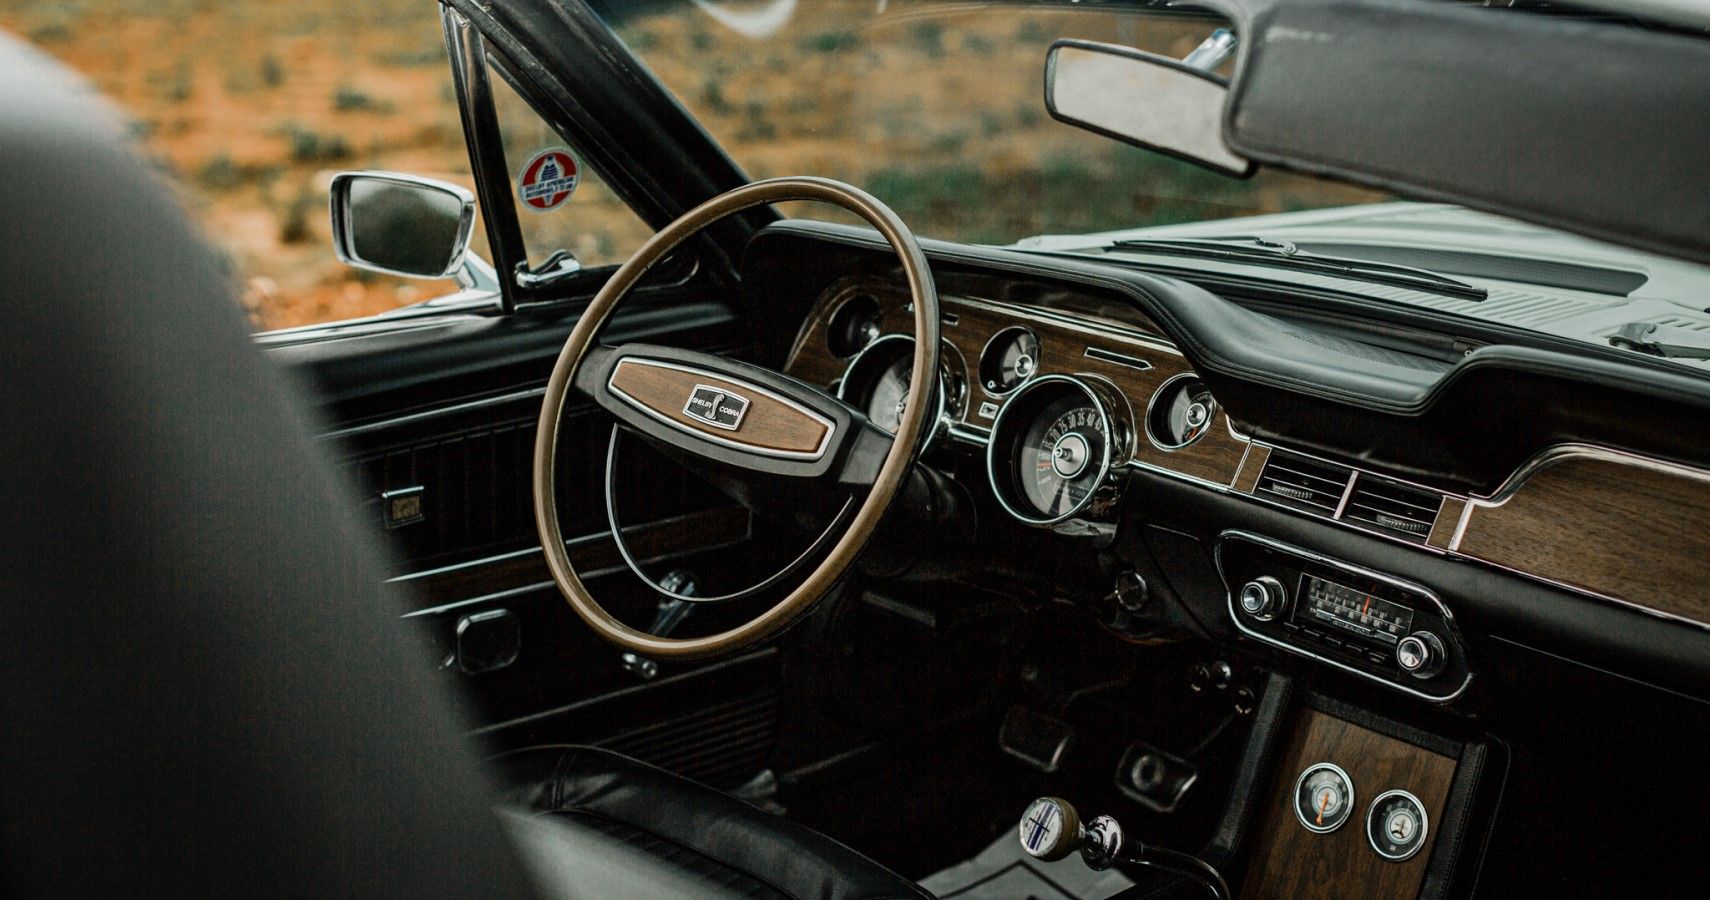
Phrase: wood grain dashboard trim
(1290,861)
(1591,519)
(1133,357)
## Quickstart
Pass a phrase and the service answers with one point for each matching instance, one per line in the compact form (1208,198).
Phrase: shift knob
(1050,829)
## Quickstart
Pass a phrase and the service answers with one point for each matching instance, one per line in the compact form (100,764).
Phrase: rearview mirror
(1143,99)
(401,224)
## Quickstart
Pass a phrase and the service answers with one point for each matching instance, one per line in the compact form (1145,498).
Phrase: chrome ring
(980,363)
(941,420)
(1146,423)
(1104,465)
(1424,825)
(1294,798)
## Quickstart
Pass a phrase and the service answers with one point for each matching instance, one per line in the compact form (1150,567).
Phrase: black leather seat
(605,811)
(207,691)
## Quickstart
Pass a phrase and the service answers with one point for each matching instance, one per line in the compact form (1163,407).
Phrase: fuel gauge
(1323,797)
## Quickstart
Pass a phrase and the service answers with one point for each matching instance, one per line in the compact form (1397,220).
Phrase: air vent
(1393,508)
(1303,482)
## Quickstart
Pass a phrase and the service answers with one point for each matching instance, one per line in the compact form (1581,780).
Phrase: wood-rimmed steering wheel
(739,414)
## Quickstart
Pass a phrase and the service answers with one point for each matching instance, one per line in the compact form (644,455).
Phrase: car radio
(1374,625)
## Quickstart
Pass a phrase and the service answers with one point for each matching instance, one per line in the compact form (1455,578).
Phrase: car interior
(814,557)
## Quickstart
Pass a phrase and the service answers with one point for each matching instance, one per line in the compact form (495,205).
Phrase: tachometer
(1054,453)
(877,382)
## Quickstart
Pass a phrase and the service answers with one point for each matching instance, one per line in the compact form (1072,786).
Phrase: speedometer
(1064,448)
(1054,453)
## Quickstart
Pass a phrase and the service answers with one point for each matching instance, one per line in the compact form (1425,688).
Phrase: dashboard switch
(1420,654)
(1263,597)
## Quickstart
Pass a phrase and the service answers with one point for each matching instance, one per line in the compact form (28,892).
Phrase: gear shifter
(1051,829)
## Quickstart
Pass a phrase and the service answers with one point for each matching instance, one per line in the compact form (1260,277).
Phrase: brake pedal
(1035,738)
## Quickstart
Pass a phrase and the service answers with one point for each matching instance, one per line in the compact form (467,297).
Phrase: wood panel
(969,324)
(1252,465)
(768,423)
(1289,861)
(1448,519)
(1605,525)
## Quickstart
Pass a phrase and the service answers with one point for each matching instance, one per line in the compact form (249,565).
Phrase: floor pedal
(1035,738)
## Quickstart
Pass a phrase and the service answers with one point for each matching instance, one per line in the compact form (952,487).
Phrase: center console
(1373,625)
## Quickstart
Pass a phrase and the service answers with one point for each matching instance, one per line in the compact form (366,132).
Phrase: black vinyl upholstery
(609,807)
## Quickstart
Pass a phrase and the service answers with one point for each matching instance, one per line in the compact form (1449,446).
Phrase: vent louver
(1303,482)
(1393,508)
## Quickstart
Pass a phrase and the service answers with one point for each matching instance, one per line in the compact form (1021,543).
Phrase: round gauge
(1052,448)
(877,383)
(1396,825)
(853,325)
(1010,358)
(1181,411)
(1323,797)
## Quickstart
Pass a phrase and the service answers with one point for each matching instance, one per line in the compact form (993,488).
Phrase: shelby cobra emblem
(716,407)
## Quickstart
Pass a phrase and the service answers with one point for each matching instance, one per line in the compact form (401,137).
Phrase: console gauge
(1053,448)
(1323,797)
(1010,358)
(1396,825)
(877,383)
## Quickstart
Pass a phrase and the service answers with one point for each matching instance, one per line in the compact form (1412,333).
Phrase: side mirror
(1143,99)
(401,224)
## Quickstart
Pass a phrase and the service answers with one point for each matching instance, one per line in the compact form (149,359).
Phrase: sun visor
(1588,126)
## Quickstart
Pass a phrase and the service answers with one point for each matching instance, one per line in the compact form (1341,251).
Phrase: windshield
(937,109)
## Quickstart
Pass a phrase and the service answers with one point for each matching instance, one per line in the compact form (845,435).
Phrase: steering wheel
(739,414)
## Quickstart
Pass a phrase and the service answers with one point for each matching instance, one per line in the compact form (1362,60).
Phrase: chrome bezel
(944,414)
(853,295)
(1347,807)
(1112,437)
(1411,587)
(1424,825)
(1151,402)
(980,363)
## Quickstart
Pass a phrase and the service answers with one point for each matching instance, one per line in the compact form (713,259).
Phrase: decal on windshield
(547,180)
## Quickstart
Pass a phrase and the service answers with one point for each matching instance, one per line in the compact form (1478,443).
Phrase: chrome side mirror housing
(401,224)
(1140,98)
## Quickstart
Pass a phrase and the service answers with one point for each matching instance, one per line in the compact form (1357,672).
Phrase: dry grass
(250,105)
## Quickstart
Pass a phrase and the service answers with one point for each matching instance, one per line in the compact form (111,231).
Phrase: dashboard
(1071,398)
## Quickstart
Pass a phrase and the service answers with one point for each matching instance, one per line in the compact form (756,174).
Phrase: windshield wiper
(1282,254)
(1667,341)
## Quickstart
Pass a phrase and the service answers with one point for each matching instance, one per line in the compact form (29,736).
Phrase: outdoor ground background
(249,106)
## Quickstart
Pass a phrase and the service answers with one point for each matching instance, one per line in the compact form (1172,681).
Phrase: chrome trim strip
(1557,453)
(633,689)
(816,453)
(1240,465)
(436,412)
(1121,359)
(1347,491)
(484,598)
(1071,322)
(486,560)
(1409,586)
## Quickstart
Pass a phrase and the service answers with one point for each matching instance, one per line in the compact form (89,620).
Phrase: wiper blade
(1667,341)
(1282,254)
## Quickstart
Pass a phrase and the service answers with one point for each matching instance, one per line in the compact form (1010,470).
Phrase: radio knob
(1263,597)
(1421,654)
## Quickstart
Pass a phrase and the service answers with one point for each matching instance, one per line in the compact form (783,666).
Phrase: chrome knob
(1263,597)
(1421,654)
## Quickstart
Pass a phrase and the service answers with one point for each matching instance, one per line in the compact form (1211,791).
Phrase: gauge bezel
(841,307)
(944,414)
(1152,402)
(1424,825)
(1115,439)
(1347,804)
(980,364)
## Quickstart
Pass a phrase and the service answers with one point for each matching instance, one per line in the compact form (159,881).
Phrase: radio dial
(1420,654)
(1263,597)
